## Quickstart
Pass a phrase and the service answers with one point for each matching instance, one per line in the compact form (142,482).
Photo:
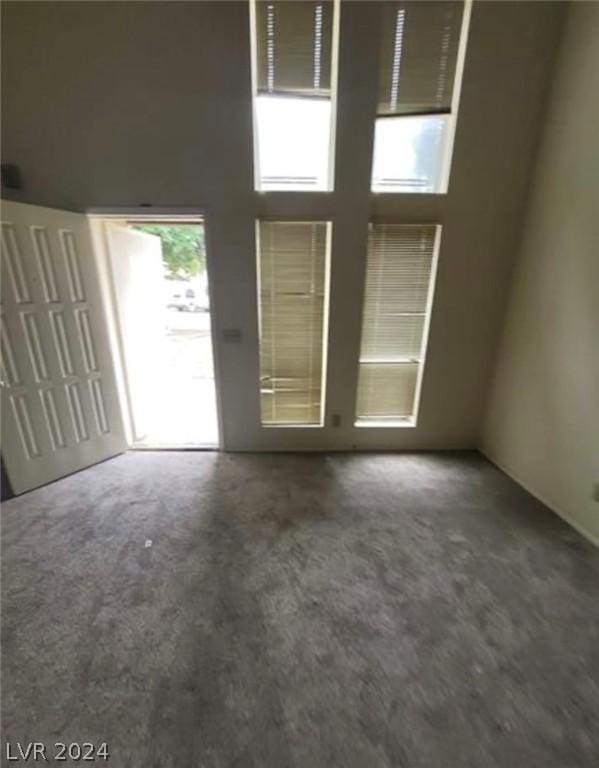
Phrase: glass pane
(386,393)
(409,154)
(399,271)
(292,308)
(293,142)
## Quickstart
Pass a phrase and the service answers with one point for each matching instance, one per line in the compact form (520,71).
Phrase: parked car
(187,300)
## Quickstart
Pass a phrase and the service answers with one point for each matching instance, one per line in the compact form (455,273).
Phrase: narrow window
(294,73)
(422,49)
(293,276)
(397,301)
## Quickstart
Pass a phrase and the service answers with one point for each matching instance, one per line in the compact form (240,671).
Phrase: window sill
(387,424)
(291,426)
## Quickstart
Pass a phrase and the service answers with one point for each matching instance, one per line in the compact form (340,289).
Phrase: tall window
(294,70)
(397,300)
(293,269)
(422,46)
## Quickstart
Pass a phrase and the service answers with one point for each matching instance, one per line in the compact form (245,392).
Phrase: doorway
(162,305)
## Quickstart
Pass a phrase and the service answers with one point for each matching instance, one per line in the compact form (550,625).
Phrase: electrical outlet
(336,420)
(11,176)
(232,335)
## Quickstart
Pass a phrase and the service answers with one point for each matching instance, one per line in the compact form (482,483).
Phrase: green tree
(183,247)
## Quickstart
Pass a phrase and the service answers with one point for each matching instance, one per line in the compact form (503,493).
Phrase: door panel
(60,410)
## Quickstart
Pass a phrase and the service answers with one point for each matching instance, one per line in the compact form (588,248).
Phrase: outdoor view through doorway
(171,369)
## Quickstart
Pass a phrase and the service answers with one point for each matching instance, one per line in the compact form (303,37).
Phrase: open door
(157,281)
(60,408)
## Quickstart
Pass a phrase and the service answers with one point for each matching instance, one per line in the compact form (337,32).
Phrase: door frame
(99,217)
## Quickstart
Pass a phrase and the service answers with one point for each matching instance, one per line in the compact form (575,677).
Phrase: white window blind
(397,299)
(421,45)
(419,50)
(292,310)
(294,47)
(294,51)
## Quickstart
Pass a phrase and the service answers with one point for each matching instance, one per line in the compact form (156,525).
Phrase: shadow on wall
(5,487)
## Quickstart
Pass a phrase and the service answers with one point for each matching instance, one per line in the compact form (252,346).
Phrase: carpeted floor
(198,610)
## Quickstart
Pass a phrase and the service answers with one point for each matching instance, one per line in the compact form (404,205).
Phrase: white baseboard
(527,487)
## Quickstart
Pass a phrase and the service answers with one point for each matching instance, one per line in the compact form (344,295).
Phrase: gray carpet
(360,611)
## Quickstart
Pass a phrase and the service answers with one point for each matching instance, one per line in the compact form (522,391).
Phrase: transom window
(294,57)
(422,45)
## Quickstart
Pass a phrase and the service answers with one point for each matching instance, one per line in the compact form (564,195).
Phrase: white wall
(542,423)
(119,104)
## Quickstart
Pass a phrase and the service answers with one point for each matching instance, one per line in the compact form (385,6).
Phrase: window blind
(396,301)
(292,303)
(294,42)
(419,50)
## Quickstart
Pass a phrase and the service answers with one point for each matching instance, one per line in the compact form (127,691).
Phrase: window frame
(407,422)
(451,115)
(330,175)
(308,219)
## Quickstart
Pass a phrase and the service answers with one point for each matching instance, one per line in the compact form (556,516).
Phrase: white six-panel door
(60,409)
